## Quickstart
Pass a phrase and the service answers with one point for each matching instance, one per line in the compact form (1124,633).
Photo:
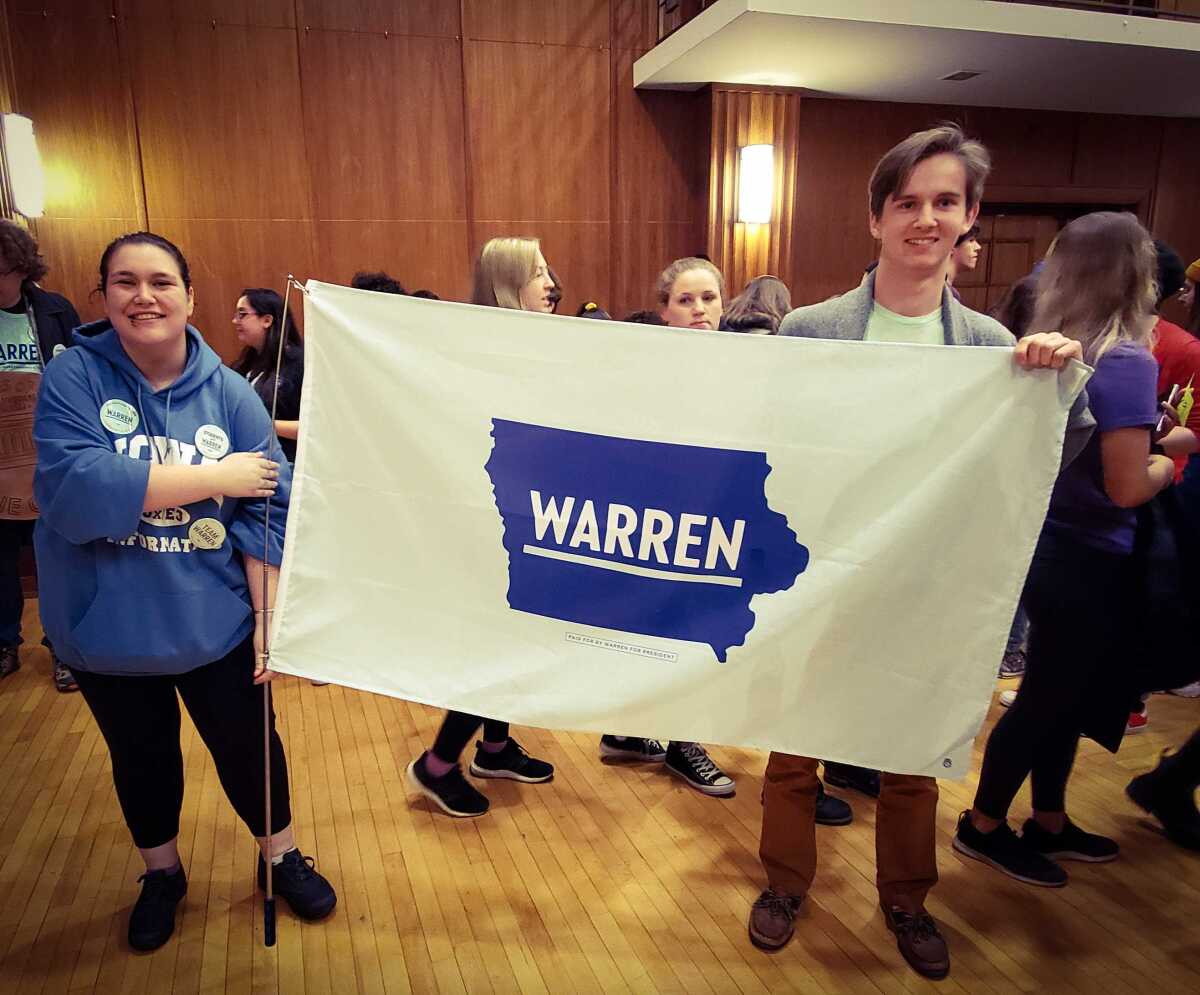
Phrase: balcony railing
(1177,10)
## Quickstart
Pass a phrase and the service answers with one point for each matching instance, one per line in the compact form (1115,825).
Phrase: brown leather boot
(772,919)
(919,941)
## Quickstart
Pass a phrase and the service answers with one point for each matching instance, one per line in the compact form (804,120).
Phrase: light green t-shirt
(887,326)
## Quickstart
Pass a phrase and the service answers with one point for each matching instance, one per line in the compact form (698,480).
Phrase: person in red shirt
(1177,353)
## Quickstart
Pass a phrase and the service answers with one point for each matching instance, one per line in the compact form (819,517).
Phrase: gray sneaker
(1013,664)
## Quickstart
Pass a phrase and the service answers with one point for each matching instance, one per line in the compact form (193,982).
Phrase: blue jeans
(1018,635)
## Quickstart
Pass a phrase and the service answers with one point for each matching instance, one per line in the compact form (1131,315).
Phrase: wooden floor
(606,880)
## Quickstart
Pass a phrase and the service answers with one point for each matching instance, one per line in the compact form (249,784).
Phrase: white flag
(809,546)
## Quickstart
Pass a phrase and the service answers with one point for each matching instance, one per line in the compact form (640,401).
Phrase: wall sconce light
(26,181)
(756,184)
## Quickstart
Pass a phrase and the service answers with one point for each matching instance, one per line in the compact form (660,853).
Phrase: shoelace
(776,904)
(156,885)
(701,762)
(653,746)
(300,867)
(923,927)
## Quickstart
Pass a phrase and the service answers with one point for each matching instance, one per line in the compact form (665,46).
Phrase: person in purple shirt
(1098,287)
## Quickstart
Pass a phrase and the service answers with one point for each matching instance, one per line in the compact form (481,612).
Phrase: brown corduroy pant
(905,832)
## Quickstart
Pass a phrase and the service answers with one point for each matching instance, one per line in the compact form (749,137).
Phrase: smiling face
(535,294)
(144,296)
(251,327)
(694,301)
(921,222)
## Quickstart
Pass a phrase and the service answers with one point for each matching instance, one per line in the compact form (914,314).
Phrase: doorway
(1014,237)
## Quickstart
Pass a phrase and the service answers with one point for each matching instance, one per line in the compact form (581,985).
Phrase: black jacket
(54,319)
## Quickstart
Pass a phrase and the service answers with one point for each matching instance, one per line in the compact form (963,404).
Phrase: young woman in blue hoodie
(155,464)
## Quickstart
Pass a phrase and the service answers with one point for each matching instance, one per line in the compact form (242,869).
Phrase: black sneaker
(1071,844)
(857,778)
(832,811)
(1171,799)
(692,762)
(451,792)
(10,660)
(296,880)
(631,749)
(512,763)
(1008,853)
(152,920)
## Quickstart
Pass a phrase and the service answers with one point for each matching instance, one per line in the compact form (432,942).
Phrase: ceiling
(1027,56)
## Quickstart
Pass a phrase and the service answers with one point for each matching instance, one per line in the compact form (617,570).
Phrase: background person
(258,319)
(511,272)
(35,326)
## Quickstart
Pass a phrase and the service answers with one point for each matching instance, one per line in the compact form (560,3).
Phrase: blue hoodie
(124,592)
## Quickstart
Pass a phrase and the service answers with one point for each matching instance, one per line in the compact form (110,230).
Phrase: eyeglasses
(241,315)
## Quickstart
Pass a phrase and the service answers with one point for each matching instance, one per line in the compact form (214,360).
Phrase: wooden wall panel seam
(468,164)
(133,134)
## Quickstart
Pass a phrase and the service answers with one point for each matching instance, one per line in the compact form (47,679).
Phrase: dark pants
(457,730)
(1078,612)
(139,719)
(13,536)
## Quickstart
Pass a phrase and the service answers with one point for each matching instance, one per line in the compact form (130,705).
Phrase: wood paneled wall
(319,137)
(752,117)
(821,244)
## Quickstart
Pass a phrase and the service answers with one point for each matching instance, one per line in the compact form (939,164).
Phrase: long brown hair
(760,306)
(1099,284)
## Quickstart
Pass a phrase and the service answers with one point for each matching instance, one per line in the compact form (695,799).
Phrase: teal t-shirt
(18,347)
(20,377)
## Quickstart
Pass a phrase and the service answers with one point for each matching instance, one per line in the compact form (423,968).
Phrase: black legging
(1075,597)
(457,730)
(139,719)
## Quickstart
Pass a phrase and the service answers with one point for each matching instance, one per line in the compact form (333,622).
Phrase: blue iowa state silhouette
(644,537)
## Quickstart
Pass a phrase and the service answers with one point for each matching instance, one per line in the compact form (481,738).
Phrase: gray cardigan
(846,318)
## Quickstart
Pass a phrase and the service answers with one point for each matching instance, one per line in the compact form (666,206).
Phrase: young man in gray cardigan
(924,194)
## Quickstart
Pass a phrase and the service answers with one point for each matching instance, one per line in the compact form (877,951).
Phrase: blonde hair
(504,266)
(667,278)
(1099,285)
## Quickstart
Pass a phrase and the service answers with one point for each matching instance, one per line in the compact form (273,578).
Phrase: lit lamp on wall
(756,183)
(26,181)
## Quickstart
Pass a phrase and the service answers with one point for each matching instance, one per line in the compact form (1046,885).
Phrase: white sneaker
(1190,691)
(1007,698)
